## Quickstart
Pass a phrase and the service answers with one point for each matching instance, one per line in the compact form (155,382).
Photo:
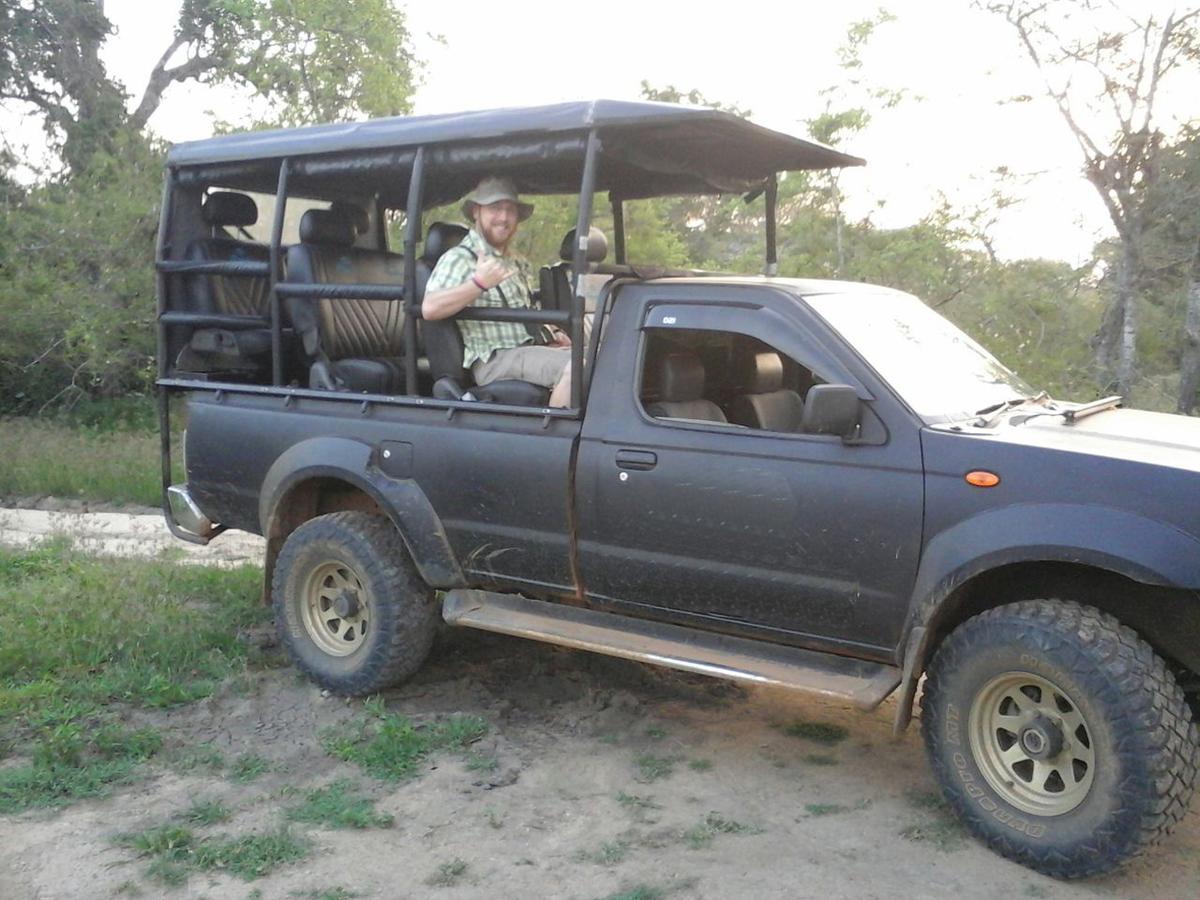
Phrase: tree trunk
(1189,382)
(1127,292)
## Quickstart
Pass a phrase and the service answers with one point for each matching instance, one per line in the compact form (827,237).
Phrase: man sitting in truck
(483,271)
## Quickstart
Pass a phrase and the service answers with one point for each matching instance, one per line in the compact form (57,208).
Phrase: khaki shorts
(540,365)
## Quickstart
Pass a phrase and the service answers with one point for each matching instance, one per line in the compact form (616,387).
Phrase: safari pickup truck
(817,485)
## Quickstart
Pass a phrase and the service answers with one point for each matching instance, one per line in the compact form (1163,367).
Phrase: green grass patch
(339,806)
(174,852)
(95,462)
(478,762)
(71,762)
(447,874)
(611,853)
(249,767)
(78,635)
(206,812)
(821,759)
(200,757)
(817,732)
(390,747)
(816,810)
(636,805)
(700,765)
(333,893)
(652,768)
(700,836)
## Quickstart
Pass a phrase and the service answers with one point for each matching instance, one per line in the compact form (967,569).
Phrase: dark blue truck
(811,484)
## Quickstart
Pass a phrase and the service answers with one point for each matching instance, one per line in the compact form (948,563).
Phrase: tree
(311,60)
(1100,64)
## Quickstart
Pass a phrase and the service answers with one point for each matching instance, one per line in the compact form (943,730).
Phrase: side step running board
(865,684)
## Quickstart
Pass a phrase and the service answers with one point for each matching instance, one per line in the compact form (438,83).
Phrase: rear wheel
(350,606)
(1058,735)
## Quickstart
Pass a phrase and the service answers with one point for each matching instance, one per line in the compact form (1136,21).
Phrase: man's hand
(490,271)
(559,338)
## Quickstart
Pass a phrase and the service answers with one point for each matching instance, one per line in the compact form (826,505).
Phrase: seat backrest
(242,295)
(554,282)
(680,378)
(441,338)
(765,403)
(344,329)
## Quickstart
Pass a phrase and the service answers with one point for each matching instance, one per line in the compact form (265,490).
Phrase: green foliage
(71,762)
(652,768)
(249,767)
(206,812)
(339,806)
(701,836)
(174,852)
(448,873)
(817,732)
(77,283)
(390,747)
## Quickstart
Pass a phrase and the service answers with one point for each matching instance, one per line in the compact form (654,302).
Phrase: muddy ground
(789,816)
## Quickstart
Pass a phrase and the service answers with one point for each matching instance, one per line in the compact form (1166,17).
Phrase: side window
(260,231)
(722,377)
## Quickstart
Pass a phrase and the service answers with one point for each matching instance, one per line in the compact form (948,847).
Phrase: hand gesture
(490,271)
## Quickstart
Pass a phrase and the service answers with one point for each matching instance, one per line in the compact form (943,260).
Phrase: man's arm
(442,304)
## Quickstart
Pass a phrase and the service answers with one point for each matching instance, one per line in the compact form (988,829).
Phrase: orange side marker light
(980,478)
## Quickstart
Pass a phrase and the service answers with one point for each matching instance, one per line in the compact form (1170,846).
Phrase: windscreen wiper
(989,414)
(1071,416)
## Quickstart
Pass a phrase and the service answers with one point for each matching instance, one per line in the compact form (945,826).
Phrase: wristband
(479,284)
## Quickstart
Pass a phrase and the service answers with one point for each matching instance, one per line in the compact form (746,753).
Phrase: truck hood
(1135,435)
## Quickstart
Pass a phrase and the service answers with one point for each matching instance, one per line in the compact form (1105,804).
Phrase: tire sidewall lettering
(975,791)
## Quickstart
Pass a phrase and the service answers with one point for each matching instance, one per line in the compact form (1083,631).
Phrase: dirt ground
(849,820)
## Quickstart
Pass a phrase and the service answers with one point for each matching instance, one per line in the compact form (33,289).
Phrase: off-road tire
(395,608)
(1137,730)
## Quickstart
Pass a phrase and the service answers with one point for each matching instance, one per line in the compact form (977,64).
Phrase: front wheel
(350,606)
(1059,737)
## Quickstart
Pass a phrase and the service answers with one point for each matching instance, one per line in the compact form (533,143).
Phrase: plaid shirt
(482,339)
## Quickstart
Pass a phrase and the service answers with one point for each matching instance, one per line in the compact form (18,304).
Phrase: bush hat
(493,190)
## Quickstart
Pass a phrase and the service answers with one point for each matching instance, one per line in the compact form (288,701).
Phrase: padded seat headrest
(352,213)
(229,208)
(762,373)
(440,238)
(680,377)
(597,247)
(323,226)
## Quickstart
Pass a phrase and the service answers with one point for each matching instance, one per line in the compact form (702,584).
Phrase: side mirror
(831,409)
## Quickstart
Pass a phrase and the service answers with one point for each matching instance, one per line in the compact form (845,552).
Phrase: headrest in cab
(680,377)
(440,238)
(597,247)
(762,373)
(352,213)
(223,208)
(323,226)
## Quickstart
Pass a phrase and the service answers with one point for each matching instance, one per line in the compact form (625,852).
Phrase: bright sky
(768,56)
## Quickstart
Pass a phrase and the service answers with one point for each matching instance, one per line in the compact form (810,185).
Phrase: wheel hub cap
(1032,744)
(335,609)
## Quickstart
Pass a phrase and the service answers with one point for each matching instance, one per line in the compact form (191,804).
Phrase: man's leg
(561,395)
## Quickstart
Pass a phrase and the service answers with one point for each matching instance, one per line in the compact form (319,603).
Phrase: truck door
(698,501)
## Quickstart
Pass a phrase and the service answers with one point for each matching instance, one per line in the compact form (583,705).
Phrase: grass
(700,836)
(390,747)
(447,874)
(639,892)
(174,852)
(817,810)
(339,806)
(610,853)
(200,756)
(104,632)
(700,765)
(652,768)
(817,732)
(206,812)
(636,805)
(100,462)
(937,826)
(333,893)
(249,767)
(821,759)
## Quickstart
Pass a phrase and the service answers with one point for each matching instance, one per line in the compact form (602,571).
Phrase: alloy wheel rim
(1032,744)
(335,609)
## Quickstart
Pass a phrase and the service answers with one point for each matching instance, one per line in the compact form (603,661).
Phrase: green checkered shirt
(481,339)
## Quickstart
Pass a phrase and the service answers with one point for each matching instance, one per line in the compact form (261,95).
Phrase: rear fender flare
(402,499)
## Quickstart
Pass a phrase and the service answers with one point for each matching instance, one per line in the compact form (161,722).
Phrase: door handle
(639,460)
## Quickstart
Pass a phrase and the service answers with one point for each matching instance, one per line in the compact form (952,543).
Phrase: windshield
(939,371)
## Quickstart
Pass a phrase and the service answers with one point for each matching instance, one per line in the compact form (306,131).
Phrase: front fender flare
(402,499)
(1114,540)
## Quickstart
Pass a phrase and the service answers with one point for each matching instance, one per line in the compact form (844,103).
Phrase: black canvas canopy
(645,150)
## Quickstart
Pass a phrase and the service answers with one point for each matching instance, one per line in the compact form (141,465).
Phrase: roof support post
(771,197)
(160,255)
(412,234)
(583,224)
(618,214)
(277,272)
